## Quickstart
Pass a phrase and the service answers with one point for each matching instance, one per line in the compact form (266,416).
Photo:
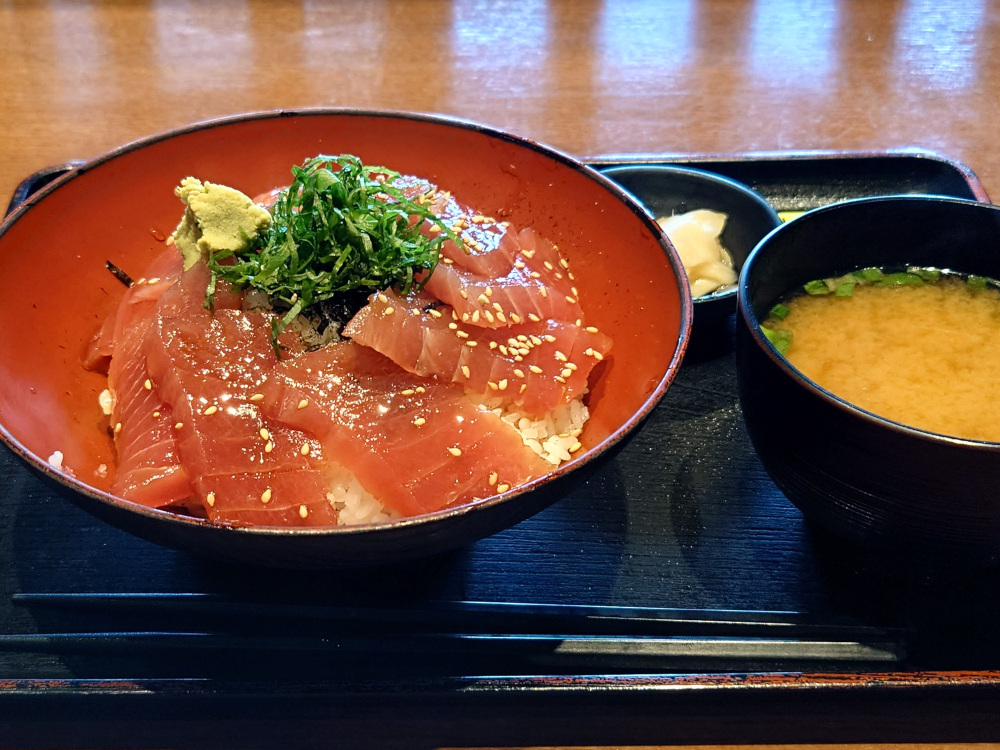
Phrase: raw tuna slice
(210,368)
(149,470)
(187,425)
(535,285)
(140,298)
(418,444)
(535,366)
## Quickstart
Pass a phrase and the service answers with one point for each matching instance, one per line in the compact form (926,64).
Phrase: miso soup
(920,347)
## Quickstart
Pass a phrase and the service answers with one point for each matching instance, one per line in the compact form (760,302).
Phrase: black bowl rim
(113,502)
(727,183)
(753,325)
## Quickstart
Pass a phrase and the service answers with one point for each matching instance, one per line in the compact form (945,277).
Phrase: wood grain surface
(587,77)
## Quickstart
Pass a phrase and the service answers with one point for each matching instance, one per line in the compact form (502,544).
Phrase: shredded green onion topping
(340,226)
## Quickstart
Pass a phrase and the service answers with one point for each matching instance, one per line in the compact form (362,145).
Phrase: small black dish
(666,190)
(864,478)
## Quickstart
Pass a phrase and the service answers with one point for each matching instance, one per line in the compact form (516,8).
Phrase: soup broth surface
(926,355)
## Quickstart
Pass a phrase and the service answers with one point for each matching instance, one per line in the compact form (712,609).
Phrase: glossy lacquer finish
(868,479)
(627,275)
(684,518)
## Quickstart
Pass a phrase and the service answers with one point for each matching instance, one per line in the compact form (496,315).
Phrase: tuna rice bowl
(354,348)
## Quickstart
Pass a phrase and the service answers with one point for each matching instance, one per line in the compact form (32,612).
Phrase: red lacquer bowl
(121,207)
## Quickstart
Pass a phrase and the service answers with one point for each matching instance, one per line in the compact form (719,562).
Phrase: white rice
(353,503)
(554,436)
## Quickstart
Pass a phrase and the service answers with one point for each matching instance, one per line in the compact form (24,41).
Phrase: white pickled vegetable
(695,235)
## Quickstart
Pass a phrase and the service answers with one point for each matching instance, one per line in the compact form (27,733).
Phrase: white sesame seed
(533,318)
(210,410)
(148,385)
(518,373)
(455,451)
(419,421)
(465,371)
(503,384)
(303,404)
(389,310)
(178,425)
(265,496)
(264,434)
(303,511)
(503,487)
(493,478)
(210,499)
(257,397)
(304,450)
(535,369)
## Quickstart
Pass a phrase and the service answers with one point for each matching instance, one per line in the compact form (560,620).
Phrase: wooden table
(719,76)
(589,78)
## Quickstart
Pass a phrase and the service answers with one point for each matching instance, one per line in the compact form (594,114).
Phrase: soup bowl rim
(753,324)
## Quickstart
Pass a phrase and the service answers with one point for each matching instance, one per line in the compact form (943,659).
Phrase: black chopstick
(554,650)
(493,617)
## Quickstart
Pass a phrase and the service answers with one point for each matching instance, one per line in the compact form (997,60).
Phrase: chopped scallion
(976,283)
(817,286)
(779,311)
(900,279)
(780,338)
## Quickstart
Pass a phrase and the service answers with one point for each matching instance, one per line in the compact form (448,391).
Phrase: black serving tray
(676,597)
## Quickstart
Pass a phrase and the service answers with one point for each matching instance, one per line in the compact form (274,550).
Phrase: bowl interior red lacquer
(121,207)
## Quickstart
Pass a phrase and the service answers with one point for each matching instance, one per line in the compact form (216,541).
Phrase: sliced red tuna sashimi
(190,432)
(535,366)
(418,444)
